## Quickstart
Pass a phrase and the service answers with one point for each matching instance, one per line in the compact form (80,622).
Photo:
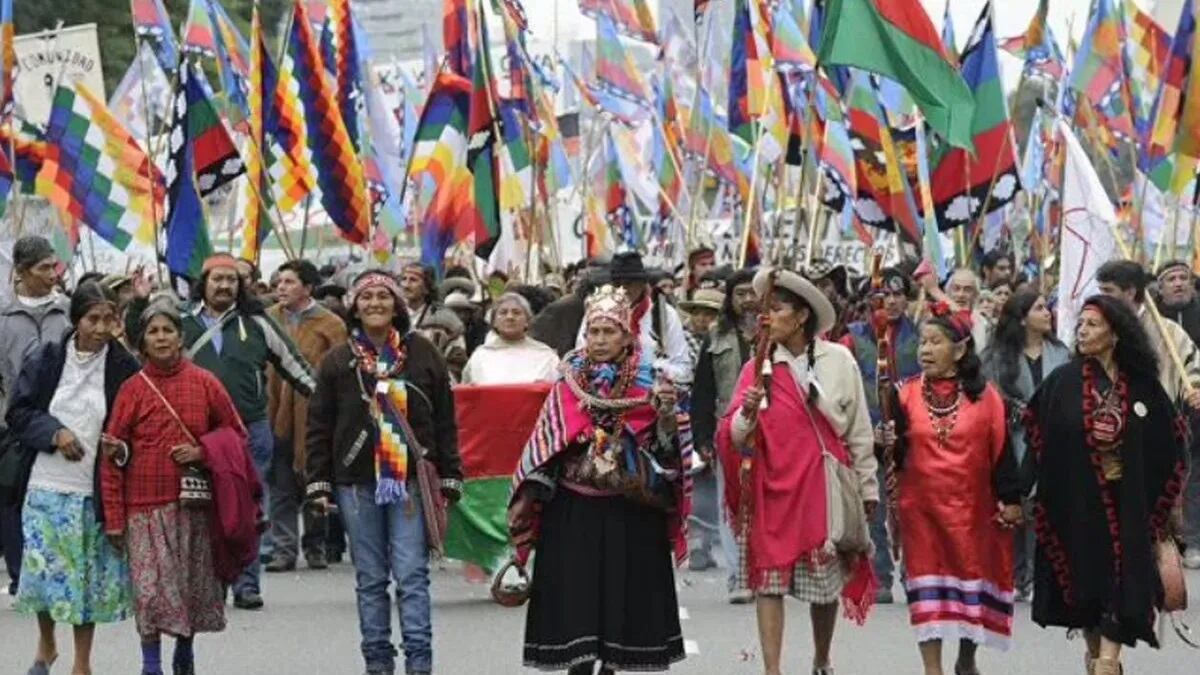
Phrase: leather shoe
(316,560)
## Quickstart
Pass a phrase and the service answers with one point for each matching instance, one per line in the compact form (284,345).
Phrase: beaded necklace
(943,410)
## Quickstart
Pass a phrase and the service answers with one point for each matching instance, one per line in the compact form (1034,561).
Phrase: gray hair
(513,297)
(158,307)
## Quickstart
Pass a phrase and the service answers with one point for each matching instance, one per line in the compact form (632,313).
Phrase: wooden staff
(762,379)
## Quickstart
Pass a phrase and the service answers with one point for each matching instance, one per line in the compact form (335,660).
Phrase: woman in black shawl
(1109,452)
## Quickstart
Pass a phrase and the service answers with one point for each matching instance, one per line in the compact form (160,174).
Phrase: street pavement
(310,625)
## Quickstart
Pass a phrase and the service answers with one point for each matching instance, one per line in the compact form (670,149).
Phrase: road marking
(684,614)
(691,647)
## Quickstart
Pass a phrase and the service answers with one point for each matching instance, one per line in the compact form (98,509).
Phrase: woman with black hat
(71,573)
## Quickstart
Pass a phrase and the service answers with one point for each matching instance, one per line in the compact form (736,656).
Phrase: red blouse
(151,477)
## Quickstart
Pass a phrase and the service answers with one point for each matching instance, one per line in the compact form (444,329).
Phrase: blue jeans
(729,547)
(262,446)
(885,568)
(389,540)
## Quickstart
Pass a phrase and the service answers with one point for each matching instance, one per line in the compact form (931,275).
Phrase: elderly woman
(152,442)
(1109,453)
(382,404)
(600,492)
(509,355)
(71,573)
(959,497)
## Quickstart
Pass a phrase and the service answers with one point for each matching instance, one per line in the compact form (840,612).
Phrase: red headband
(958,321)
(218,260)
(375,280)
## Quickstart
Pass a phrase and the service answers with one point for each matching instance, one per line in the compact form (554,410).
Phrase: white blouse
(79,404)
(498,361)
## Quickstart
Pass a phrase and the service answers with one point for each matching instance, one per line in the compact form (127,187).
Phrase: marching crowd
(841,440)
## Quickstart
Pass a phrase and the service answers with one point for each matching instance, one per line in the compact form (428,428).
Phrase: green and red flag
(896,39)
(491,436)
(967,186)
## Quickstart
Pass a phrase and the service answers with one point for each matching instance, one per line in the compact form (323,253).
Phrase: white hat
(826,315)
(704,298)
(458,300)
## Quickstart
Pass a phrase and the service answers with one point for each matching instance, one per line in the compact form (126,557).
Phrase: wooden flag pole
(758,134)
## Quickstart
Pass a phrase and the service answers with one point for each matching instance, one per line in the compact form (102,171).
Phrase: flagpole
(745,243)
(158,252)
(987,199)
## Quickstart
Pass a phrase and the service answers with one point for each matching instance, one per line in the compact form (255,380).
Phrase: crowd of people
(814,433)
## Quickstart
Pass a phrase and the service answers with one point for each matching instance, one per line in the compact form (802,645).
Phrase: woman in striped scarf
(382,404)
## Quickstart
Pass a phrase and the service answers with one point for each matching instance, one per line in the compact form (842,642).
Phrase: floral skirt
(175,586)
(68,568)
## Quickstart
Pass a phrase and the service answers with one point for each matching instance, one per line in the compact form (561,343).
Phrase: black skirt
(603,587)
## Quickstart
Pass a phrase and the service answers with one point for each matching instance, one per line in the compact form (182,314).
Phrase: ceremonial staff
(762,379)
(884,393)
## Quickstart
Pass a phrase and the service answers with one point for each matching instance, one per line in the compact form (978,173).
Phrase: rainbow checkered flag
(339,171)
(95,172)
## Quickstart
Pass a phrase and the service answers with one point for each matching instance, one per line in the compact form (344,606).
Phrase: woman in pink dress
(959,497)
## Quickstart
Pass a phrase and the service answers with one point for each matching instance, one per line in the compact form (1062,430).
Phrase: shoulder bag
(844,512)
(195,487)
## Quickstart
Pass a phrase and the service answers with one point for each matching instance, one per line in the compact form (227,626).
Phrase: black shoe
(248,600)
(280,564)
(884,596)
(333,558)
(316,560)
(183,669)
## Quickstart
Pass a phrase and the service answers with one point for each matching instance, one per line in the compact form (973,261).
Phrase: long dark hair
(970,368)
(400,320)
(1133,352)
(729,319)
(244,301)
(1008,340)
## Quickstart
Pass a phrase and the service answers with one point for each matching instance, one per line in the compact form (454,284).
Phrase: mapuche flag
(896,39)
(966,187)
(491,437)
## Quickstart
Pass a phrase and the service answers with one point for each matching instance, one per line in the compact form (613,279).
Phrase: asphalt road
(310,626)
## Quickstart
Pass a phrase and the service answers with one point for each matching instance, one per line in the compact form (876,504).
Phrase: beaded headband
(609,303)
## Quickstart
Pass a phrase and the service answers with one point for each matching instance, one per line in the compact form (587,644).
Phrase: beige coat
(319,331)
(841,398)
(1168,375)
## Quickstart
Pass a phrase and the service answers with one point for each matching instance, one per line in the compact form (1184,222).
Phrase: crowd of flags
(861,108)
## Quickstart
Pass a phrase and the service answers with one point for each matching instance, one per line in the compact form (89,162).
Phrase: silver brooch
(1139,409)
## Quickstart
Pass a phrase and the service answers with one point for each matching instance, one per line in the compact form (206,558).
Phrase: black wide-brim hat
(628,267)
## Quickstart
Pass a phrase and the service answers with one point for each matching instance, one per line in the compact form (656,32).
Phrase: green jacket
(249,343)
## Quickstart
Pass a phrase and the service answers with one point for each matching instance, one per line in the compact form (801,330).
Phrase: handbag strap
(168,406)
(208,335)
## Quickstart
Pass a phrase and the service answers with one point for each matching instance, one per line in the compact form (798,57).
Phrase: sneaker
(183,669)
(741,596)
(280,564)
(248,600)
(1192,559)
(316,560)
(884,596)
(334,558)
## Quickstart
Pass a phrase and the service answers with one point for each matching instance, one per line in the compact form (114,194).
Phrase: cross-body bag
(195,486)
(845,515)
(207,336)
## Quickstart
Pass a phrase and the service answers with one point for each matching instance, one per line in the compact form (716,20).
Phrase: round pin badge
(1139,409)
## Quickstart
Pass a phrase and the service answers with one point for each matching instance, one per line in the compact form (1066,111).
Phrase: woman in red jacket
(151,442)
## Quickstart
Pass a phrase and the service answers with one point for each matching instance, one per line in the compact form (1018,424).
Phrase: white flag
(142,98)
(1088,222)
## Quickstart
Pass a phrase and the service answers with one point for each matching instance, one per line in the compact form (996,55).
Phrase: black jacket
(558,324)
(341,432)
(29,419)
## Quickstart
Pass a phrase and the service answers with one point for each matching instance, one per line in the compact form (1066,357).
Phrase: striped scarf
(389,405)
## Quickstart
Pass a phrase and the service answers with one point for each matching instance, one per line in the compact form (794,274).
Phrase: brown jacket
(317,332)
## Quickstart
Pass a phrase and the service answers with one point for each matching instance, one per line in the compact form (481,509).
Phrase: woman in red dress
(959,497)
